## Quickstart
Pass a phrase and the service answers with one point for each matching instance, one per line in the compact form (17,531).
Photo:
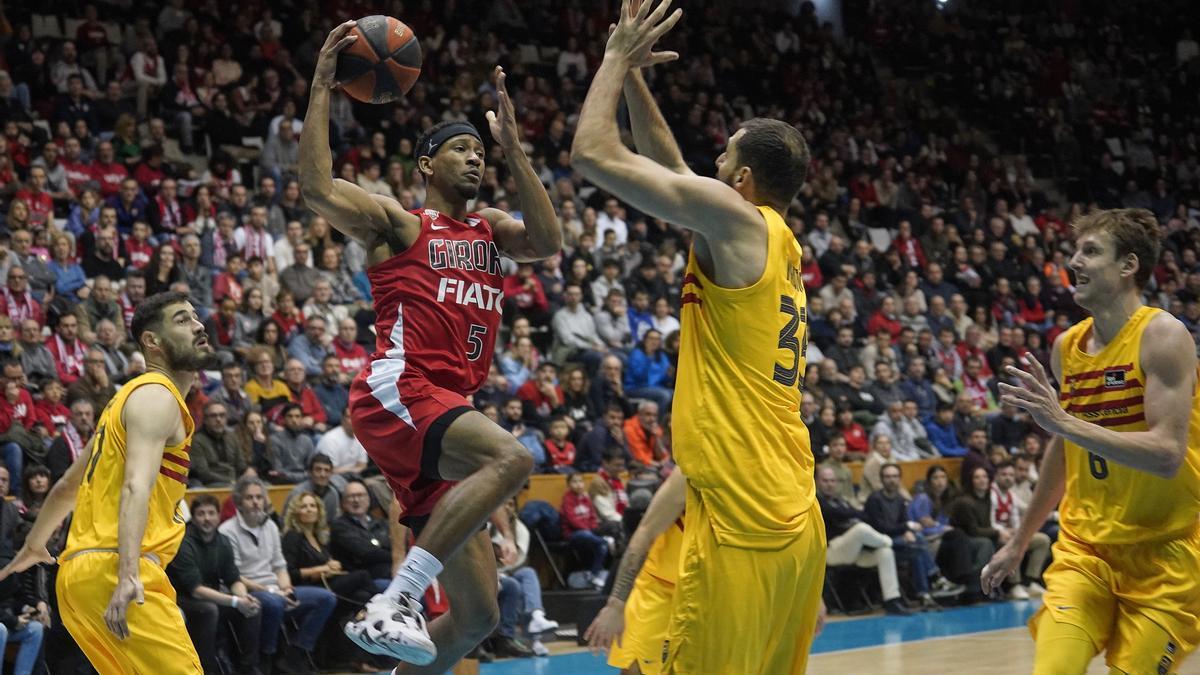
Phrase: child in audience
(559,447)
(579,523)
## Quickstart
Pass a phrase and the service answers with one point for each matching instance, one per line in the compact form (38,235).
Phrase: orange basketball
(383,63)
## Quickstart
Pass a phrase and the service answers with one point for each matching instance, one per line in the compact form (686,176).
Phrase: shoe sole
(409,653)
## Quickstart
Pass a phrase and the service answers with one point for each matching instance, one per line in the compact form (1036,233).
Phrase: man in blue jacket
(942,433)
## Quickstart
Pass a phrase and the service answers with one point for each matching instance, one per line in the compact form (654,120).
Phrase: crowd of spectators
(148,147)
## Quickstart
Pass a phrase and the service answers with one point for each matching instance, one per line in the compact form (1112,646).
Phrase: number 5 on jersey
(475,335)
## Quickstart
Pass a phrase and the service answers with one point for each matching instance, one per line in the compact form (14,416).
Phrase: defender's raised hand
(637,31)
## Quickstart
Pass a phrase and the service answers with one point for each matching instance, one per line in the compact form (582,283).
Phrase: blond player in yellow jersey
(753,561)
(1125,463)
(114,596)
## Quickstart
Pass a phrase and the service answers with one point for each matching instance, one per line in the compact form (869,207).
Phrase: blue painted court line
(882,630)
(839,635)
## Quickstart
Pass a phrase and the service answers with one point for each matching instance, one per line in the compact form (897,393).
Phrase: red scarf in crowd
(72,359)
(16,311)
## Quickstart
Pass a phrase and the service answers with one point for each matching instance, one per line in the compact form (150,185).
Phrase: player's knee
(514,462)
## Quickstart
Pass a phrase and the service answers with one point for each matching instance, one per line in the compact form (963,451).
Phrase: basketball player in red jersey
(435,278)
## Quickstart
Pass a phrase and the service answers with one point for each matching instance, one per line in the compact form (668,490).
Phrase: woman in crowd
(35,485)
(251,315)
(663,320)
(69,276)
(163,270)
(305,546)
(269,337)
(254,441)
(576,404)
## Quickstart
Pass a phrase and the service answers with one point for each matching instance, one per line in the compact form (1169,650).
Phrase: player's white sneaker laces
(396,629)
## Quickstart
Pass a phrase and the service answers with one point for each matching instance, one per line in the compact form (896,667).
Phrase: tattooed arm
(665,509)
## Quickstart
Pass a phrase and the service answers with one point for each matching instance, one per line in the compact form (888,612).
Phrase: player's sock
(417,572)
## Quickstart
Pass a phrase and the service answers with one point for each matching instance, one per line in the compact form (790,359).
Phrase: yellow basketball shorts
(647,615)
(1139,603)
(158,641)
(744,611)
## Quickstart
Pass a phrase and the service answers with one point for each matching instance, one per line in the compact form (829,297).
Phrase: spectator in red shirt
(310,405)
(541,392)
(17,405)
(80,174)
(226,283)
(17,301)
(857,445)
(969,347)
(35,196)
(885,318)
(50,411)
(139,249)
(108,171)
(908,247)
(288,316)
(610,473)
(579,521)
(351,355)
(150,172)
(1033,313)
(67,349)
(523,292)
(559,446)
(166,213)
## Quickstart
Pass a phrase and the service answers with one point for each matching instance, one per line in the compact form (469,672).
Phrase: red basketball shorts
(400,418)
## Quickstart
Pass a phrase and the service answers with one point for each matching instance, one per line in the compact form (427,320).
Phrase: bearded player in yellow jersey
(114,596)
(753,559)
(1125,463)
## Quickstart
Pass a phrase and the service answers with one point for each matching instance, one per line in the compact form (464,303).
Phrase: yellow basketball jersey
(662,562)
(737,431)
(98,502)
(1107,502)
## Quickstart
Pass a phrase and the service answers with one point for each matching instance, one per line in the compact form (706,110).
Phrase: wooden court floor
(998,652)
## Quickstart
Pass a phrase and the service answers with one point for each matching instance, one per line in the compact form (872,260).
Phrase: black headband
(430,147)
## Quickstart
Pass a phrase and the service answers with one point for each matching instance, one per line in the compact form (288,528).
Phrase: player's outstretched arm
(539,236)
(704,205)
(1168,356)
(147,432)
(666,507)
(59,503)
(651,135)
(348,208)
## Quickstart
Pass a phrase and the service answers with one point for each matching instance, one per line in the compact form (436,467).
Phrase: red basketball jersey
(438,303)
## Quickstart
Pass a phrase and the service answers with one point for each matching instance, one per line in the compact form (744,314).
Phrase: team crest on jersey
(1114,379)
(432,214)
